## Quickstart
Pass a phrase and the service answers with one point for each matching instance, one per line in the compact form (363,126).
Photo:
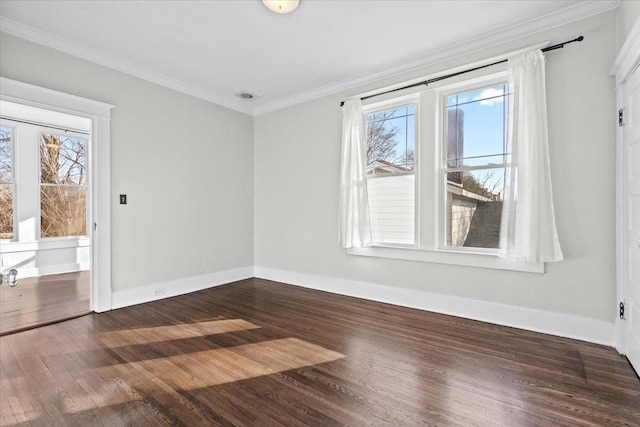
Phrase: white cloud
(494,94)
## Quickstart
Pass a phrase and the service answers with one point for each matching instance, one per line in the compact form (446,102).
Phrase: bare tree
(63,193)
(488,185)
(381,138)
(382,143)
(6,185)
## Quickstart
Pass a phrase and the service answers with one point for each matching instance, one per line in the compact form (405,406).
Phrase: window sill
(470,259)
(45,244)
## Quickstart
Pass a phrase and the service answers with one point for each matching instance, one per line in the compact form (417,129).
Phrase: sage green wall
(628,13)
(297,161)
(185,164)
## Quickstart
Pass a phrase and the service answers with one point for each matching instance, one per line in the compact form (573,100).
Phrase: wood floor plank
(41,300)
(260,353)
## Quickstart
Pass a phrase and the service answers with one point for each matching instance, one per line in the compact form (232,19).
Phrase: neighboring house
(383,167)
(473,217)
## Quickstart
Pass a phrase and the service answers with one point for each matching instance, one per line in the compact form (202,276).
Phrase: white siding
(392,209)
(459,214)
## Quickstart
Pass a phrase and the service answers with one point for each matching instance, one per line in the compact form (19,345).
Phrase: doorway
(45,215)
(100,163)
(627,72)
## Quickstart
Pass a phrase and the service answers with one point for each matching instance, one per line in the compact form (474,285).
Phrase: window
(43,177)
(391,177)
(63,188)
(474,166)
(436,170)
(6,183)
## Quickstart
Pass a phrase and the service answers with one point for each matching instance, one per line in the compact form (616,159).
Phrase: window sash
(445,214)
(380,107)
(480,167)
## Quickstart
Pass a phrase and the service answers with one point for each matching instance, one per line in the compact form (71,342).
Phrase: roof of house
(484,230)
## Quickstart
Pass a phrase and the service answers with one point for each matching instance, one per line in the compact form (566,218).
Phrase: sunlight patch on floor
(174,332)
(225,365)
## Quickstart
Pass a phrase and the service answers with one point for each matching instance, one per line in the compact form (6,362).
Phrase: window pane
(392,209)
(63,211)
(474,208)
(391,138)
(6,211)
(6,183)
(476,131)
(62,160)
(391,141)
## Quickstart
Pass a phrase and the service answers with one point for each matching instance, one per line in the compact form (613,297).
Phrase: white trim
(620,342)
(45,244)
(621,275)
(101,200)
(19,92)
(563,325)
(100,114)
(24,273)
(40,37)
(17,114)
(466,258)
(184,285)
(628,58)
(626,62)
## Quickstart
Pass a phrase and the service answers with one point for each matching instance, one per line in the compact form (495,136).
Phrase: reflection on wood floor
(261,353)
(42,300)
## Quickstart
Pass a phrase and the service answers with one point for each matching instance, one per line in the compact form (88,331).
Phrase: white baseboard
(563,325)
(177,287)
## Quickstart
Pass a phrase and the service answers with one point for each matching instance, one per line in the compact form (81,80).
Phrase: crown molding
(447,52)
(40,37)
(426,58)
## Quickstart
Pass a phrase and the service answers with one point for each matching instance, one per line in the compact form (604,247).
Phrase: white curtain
(528,229)
(355,228)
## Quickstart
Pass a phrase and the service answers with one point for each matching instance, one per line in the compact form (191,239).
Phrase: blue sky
(484,117)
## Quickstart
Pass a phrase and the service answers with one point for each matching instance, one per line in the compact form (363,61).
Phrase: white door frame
(100,115)
(625,64)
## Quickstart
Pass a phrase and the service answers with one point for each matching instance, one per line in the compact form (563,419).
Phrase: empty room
(320,213)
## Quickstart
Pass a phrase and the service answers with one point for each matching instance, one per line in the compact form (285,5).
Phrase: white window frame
(442,93)
(88,193)
(391,104)
(430,224)
(29,235)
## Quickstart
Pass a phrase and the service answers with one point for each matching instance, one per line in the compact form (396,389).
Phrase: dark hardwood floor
(42,300)
(260,353)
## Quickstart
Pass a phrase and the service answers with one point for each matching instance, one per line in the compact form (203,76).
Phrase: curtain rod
(437,79)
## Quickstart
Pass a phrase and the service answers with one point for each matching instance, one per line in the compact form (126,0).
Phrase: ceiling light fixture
(281,6)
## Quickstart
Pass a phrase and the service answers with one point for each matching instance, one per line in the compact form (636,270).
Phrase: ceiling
(216,49)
